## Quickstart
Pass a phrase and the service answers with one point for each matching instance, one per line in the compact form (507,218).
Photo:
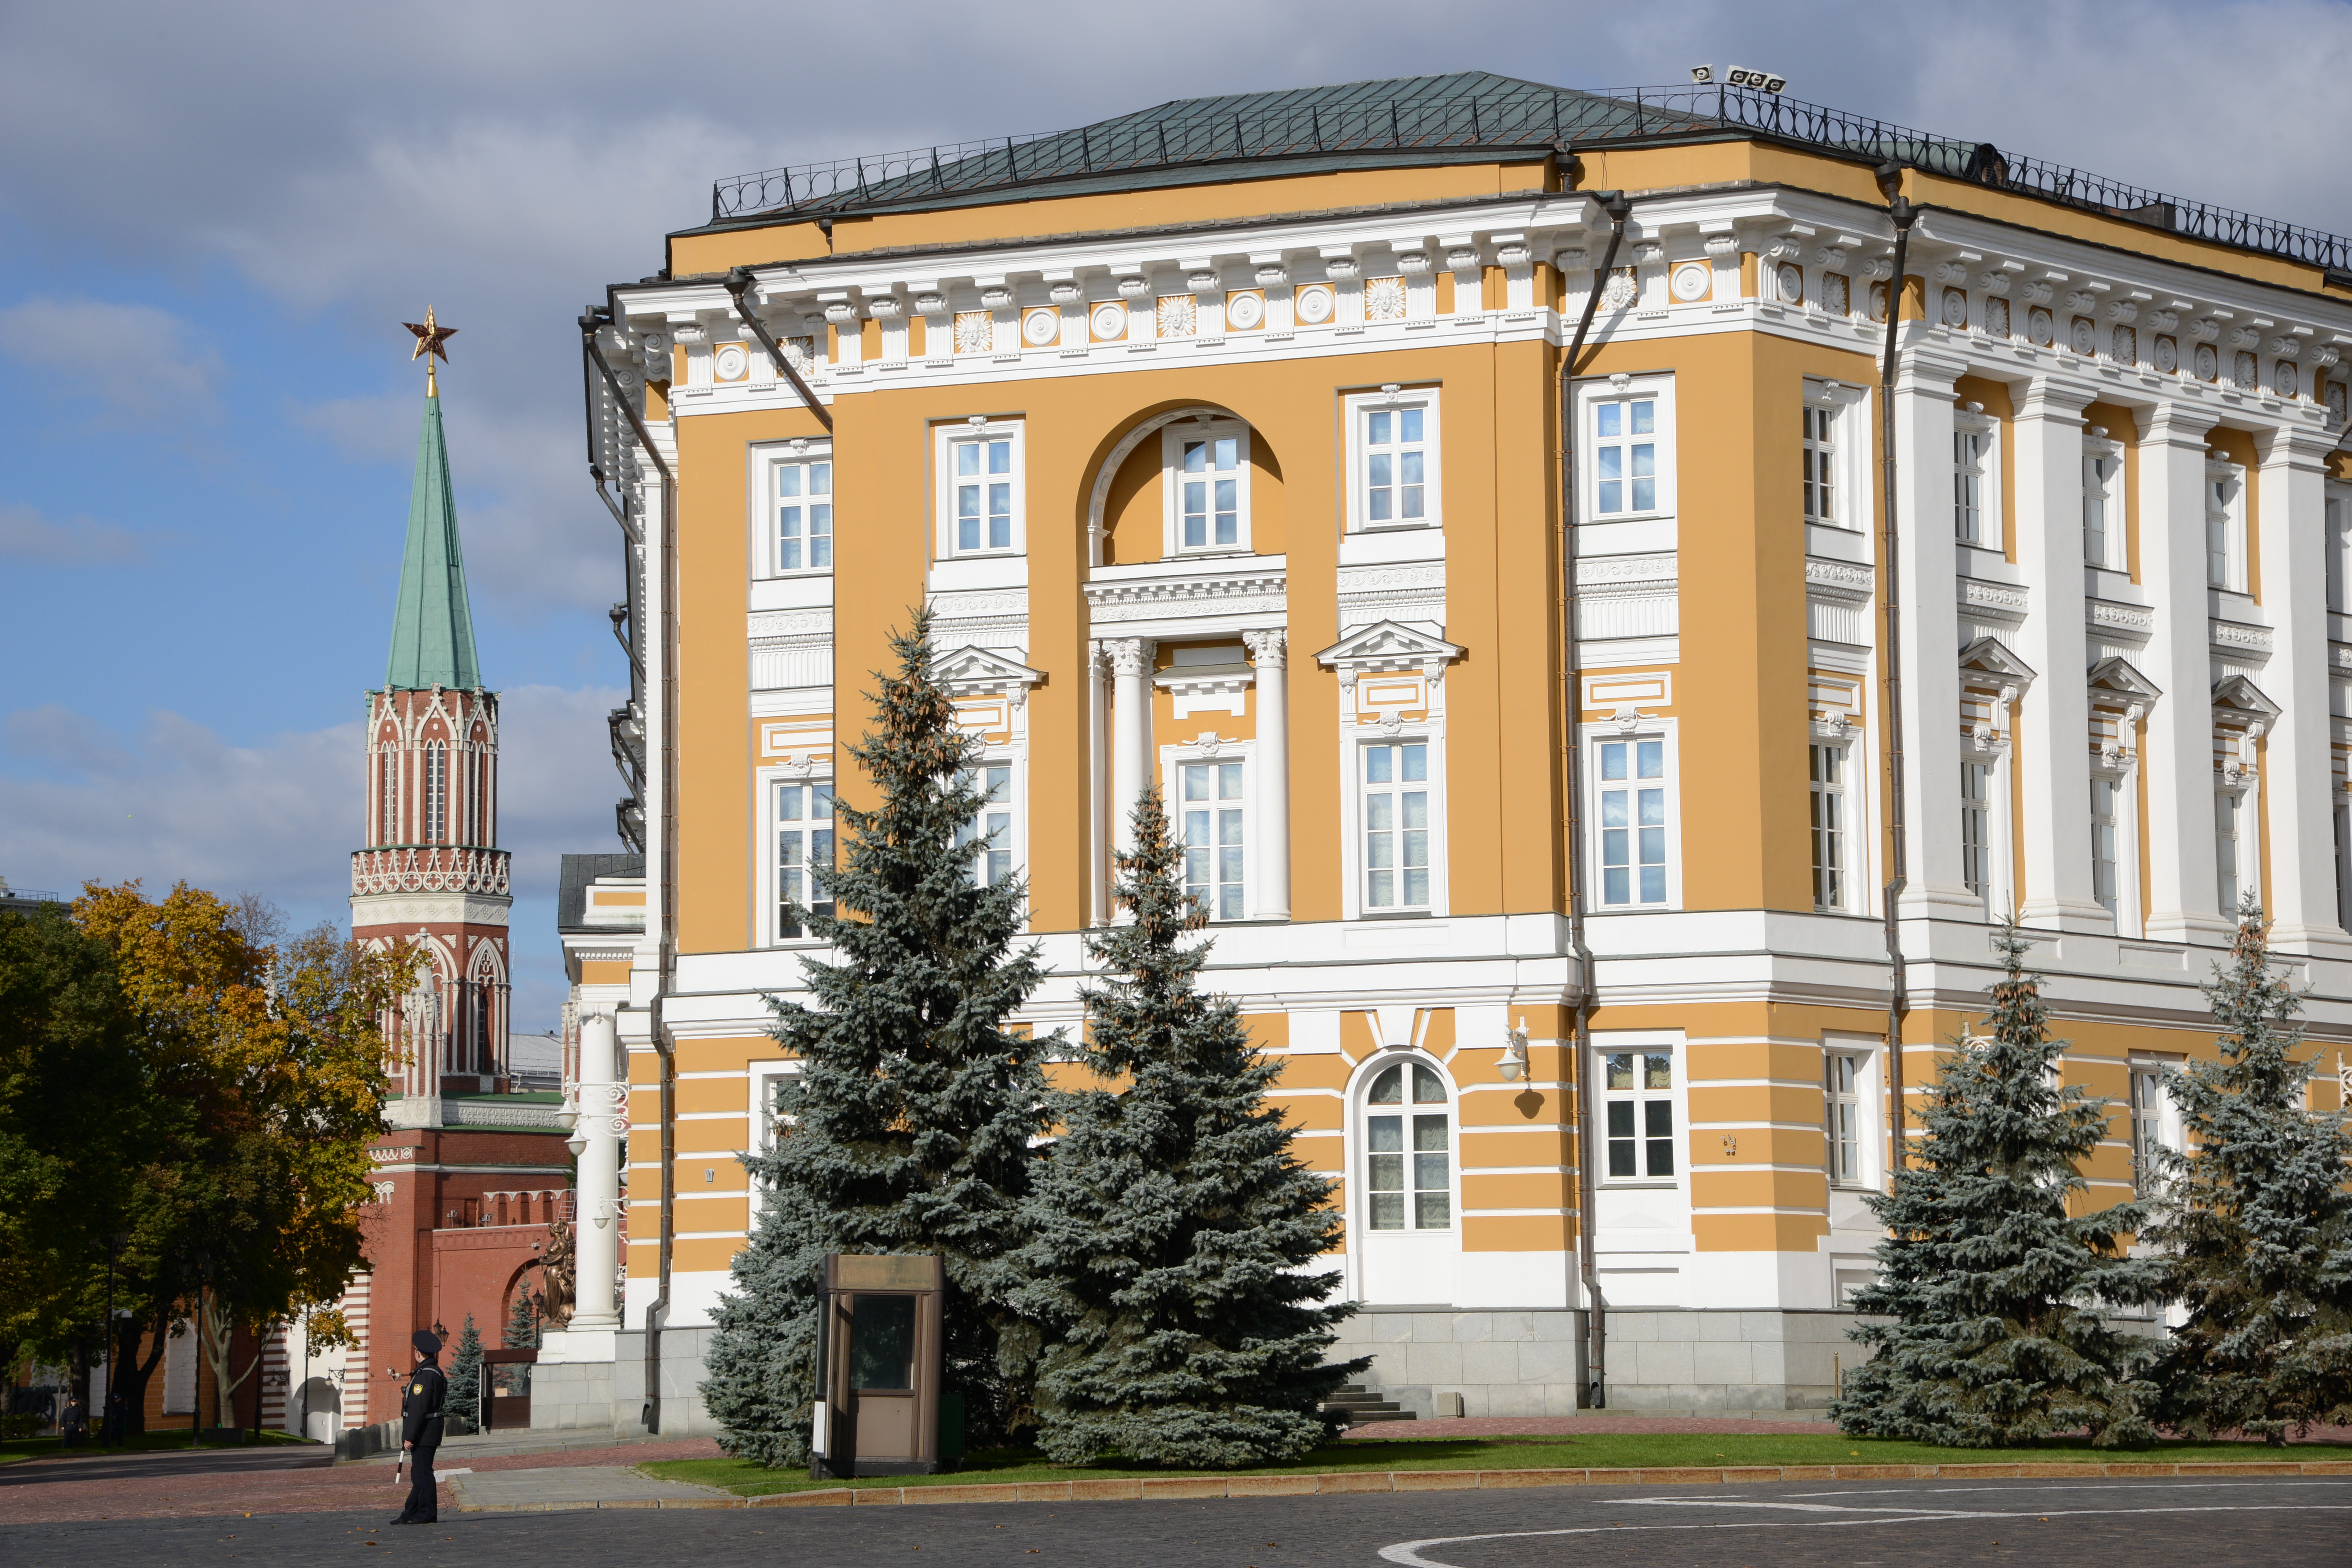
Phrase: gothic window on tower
(388,796)
(436,793)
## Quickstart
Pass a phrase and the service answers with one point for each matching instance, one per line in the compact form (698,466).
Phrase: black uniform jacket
(420,1407)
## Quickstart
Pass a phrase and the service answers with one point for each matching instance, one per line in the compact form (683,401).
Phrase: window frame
(1978,434)
(1360,1171)
(1172,438)
(1847,406)
(1664,731)
(1674,1096)
(771,783)
(2242,839)
(2107,491)
(1016,858)
(774,462)
(2161,1119)
(1360,829)
(1841,792)
(1173,761)
(1591,396)
(2230,518)
(1868,1098)
(1358,409)
(2121,847)
(982,429)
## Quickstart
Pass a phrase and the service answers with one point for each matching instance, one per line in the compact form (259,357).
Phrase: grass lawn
(34,1447)
(1612,1450)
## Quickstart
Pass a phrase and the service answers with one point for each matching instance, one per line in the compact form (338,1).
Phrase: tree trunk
(135,1372)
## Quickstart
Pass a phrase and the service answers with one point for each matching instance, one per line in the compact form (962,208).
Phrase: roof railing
(1558,118)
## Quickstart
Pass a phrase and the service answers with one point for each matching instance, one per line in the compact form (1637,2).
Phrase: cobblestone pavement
(1917,1524)
(235,1482)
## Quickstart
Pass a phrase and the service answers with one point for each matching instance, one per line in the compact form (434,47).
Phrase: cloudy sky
(212,219)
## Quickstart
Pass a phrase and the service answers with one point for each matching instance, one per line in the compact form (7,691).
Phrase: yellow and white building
(1223,441)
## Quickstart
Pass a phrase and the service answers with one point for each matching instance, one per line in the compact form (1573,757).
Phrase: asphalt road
(1888,1524)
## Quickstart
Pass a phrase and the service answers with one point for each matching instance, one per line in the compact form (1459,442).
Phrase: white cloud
(138,363)
(27,535)
(281,816)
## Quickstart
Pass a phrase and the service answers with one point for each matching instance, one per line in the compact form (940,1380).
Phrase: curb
(1176,1488)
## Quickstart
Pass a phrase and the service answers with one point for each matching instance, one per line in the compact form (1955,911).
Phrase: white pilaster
(2183,896)
(1130,661)
(1935,887)
(1272,796)
(597,1226)
(2298,764)
(2056,722)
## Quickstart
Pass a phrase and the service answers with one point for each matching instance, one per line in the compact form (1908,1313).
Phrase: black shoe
(403,1519)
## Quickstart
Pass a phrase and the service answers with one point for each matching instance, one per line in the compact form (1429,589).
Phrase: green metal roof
(433,626)
(1454,118)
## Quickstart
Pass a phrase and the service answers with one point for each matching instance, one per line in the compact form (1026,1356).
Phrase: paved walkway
(546,1447)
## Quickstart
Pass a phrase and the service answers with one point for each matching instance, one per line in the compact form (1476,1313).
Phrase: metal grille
(1526,116)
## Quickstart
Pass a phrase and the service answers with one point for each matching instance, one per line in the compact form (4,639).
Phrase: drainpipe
(1596,1310)
(1898,996)
(740,280)
(657,1310)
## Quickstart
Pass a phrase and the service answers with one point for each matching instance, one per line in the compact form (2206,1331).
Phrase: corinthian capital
(1270,649)
(1129,655)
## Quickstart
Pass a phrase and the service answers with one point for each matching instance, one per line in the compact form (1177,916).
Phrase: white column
(2056,722)
(1099,757)
(1271,798)
(2184,888)
(1130,662)
(1935,887)
(2298,762)
(596,1228)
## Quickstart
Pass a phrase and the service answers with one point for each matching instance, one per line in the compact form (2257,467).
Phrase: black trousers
(424,1500)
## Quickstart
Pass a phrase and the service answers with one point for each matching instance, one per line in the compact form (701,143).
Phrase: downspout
(738,282)
(1618,207)
(1898,996)
(658,1309)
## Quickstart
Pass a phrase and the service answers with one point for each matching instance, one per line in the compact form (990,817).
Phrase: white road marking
(1408,1553)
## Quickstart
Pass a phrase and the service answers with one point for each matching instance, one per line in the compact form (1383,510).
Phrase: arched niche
(1126,504)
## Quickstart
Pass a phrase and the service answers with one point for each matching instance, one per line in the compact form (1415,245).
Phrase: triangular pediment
(2236,694)
(1389,645)
(969,672)
(2116,678)
(1987,659)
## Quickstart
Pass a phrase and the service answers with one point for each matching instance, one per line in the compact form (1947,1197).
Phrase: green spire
(433,629)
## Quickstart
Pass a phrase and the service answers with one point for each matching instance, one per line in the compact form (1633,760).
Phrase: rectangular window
(1968,486)
(804,847)
(1820,465)
(1633,823)
(1214,846)
(1396,460)
(2224,536)
(989,834)
(1396,827)
(2227,807)
(1624,457)
(2098,494)
(1976,831)
(1845,1120)
(983,495)
(804,517)
(1416,1180)
(2103,883)
(1637,1094)
(2146,1129)
(1212,493)
(1829,828)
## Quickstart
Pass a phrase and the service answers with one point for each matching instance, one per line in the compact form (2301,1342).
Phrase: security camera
(1761,81)
(1702,74)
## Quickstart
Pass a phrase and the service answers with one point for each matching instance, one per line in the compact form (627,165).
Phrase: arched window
(1409,1177)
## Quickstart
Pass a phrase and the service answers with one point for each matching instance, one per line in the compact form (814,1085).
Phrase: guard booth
(878,1365)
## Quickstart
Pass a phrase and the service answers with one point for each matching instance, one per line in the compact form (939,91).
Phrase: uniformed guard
(420,1430)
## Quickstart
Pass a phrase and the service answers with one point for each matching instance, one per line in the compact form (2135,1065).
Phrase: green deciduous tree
(2254,1223)
(1173,1235)
(1989,1290)
(909,1126)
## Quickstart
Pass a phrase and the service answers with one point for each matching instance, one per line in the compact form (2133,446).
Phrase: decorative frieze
(1412,591)
(1628,596)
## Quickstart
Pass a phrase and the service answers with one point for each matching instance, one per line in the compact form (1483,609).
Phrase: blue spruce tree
(1169,1271)
(909,1128)
(465,1392)
(2255,1223)
(1989,1290)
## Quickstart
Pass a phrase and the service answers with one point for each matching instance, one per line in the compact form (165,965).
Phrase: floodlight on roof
(1762,81)
(1702,74)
